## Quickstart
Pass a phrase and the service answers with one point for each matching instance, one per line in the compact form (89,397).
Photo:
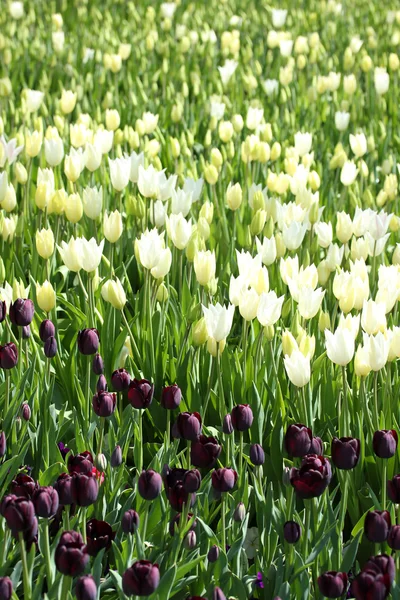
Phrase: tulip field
(199,300)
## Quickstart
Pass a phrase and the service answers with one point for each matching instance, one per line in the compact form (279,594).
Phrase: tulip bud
(384,443)
(190,540)
(291,532)
(8,356)
(213,554)
(98,365)
(71,556)
(101,385)
(149,484)
(141,579)
(116,457)
(257,455)
(46,296)
(85,588)
(332,584)
(242,417)
(6,588)
(120,380)
(3,444)
(46,330)
(50,347)
(199,334)
(227,426)
(130,521)
(218,594)
(88,341)
(239,514)
(377,525)
(45,500)
(26,411)
(171,397)
(21,173)
(21,312)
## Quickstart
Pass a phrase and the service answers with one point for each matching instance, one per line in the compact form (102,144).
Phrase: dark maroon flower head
(50,347)
(80,463)
(71,556)
(171,397)
(394,537)
(85,489)
(8,356)
(178,496)
(21,312)
(175,522)
(101,385)
(46,330)
(149,484)
(26,411)
(141,579)
(99,535)
(45,500)
(291,532)
(370,585)
(393,489)
(376,525)
(239,513)
(98,364)
(120,380)
(104,404)
(3,310)
(213,554)
(63,449)
(384,443)
(116,457)
(345,452)
(7,499)
(188,426)
(19,514)
(204,452)
(88,341)
(218,594)
(317,446)
(26,332)
(3,444)
(224,480)
(257,455)
(192,481)
(242,417)
(298,440)
(6,587)
(382,563)
(65,489)
(140,393)
(227,426)
(130,521)
(86,588)
(332,584)
(313,477)
(23,485)
(190,540)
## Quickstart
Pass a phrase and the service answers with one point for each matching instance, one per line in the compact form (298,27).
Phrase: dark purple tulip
(175,523)
(312,478)
(99,535)
(291,532)
(46,330)
(393,489)
(26,411)
(178,496)
(45,500)
(384,443)
(6,500)
(149,484)
(85,489)
(80,463)
(23,485)
(345,452)
(242,417)
(192,481)
(317,446)
(332,584)
(382,563)
(224,480)
(190,540)
(19,514)
(26,332)
(141,579)
(6,587)
(227,426)
(63,449)
(97,364)
(204,452)
(71,556)
(50,347)
(88,341)
(298,440)
(257,455)
(116,457)
(188,426)
(21,312)
(120,380)
(218,594)
(371,585)
(86,588)
(376,525)
(8,356)
(213,554)
(239,514)
(102,384)
(130,521)
(171,397)
(394,537)
(3,310)
(104,404)
(65,489)
(3,444)
(140,393)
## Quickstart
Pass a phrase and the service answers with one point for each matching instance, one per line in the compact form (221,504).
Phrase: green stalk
(140,465)
(7,396)
(342,517)
(25,571)
(66,585)
(46,551)
(384,482)
(223,524)
(83,523)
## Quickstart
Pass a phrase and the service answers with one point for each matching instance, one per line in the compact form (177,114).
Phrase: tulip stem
(133,343)
(7,398)
(111,261)
(83,524)
(244,349)
(241,454)
(188,455)
(146,520)
(46,551)
(376,400)
(66,584)
(223,530)
(346,427)
(140,425)
(25,570)
(87,398)
(384,482)
(102,423)
(220,386)
(342,516)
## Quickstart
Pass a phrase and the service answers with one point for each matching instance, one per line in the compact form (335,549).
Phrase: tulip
(23,485)
(71,254)
(191,481)
(370,584)
(179,230)
(383,563)
(99,535)
(224,479)
(332,584)
(205,452)
(204,267)
(46,330)
(242,417)
(188,426)
(298,439)
(298,368)
(291,532)
(394,537)
(8,356)
(54,151)
(71,556)
(50,347)
(141,579)
(104,404)
(213,554)
(377,525)
(6,588)
(46,296)
(86,588)
(92,200)
(171,397)
(116,457)
(3,444)
(113,292)
(130,521)
(45,243)
(98,365)
(85,489)
(101,385)
(65,489)
(149,484)
(45,500)
(140,393)
(88,341)
(313,477)
(112,226)
(384,443)
(21,312)
(345,452)
(339,346)
(393,489)
(68,101)
(218,320)
(120,380)
(19,514)
(257,455)
(218,594)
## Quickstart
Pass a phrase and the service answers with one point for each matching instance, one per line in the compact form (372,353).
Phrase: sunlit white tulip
(218,320)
